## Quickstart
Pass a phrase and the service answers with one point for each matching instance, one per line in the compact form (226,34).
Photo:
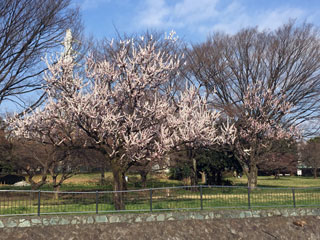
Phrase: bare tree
(5,150)
(29,29)
(36,158)
(282,158)
(66,162)
(311,155)
(282,65)
(30,157)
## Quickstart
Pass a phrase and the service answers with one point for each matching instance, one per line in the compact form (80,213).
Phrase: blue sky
(193,20)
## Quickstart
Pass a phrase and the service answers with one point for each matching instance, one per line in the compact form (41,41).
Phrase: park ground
(287,191)
(251,228)
(91,182)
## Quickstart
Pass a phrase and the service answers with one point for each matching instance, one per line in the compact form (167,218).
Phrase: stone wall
(47,220)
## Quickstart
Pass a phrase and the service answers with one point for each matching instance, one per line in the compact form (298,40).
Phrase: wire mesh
(22,202)
(271,197)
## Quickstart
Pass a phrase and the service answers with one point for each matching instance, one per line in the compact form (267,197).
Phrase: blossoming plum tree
(119,110)
(259,125)
(194,126)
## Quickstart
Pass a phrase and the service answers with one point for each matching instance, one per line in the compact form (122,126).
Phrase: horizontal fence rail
(29,202)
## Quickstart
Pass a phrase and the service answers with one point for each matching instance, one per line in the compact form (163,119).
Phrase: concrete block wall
(52,220)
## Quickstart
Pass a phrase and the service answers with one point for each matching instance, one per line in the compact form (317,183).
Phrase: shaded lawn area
(91,182)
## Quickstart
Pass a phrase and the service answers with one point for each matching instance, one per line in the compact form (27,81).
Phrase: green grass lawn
(212,198)
(177,198)
(270,181)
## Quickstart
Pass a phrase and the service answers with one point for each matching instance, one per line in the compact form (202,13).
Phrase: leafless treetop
(286,61)
(28,30)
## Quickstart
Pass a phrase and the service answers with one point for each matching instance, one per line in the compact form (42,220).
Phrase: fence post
(201,199)
(294,198)
(249,202)
(97,202)
(150,199)
(39,201)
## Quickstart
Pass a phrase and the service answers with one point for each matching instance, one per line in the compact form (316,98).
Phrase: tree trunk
(219,178)
(203,177)
(249,167)
(102,176)
(315,173)
(252,175)
(118,185)
(194,177)
(36,185)
(143,175)
(124,181)
(56,187)
(56,191)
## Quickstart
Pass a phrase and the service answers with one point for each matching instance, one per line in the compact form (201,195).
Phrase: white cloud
(205,16)
(160,14)
(274,19)
(154,13)
(232,18)
(192,11)
(270,19)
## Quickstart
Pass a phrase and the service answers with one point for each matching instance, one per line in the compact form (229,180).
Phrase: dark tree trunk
(37,185)
(143,175)
(219,178)
(118,185)
(124,181)
(194,177)
(315,174)
(250,169)
(102,176)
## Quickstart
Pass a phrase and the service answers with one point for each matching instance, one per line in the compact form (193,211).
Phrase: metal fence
(28,202)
